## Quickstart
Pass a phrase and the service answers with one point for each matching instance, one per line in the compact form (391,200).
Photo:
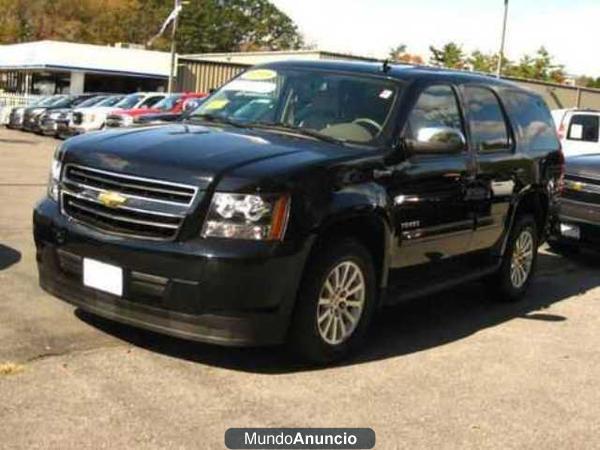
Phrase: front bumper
(48,127)
(83,128)
(15,122)
(215,291)
(586,216)
(62,129)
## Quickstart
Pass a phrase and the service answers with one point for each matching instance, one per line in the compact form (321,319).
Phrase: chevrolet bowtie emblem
(111,199)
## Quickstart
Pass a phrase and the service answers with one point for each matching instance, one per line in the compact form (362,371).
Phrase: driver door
(429,190)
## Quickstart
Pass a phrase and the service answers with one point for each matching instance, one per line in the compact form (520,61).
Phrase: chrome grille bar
(141,215)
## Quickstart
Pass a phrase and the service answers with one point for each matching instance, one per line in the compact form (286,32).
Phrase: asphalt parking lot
(452,371)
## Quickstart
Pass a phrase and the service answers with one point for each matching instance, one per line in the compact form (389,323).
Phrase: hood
(60,111)
(154,117)
(97,109)
(193,154)
(587,166)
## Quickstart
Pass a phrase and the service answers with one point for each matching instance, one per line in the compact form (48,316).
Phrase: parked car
(64,121)
(31,113)
(33,117)
(578,130)
(15,118)
(174,104)
(94,119)
(578,224)
(53,120)
(361,185)
(168,117)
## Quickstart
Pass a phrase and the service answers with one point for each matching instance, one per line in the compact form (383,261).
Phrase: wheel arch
(531,201)
(371,228)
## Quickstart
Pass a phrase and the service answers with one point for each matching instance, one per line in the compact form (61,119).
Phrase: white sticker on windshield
(386,94)
(576,132)
(255,87)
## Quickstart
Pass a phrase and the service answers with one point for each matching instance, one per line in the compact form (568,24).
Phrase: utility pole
(174,50)
(502,44)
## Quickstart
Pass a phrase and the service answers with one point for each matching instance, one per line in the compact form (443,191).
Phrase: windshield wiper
(297,130)
(216,119)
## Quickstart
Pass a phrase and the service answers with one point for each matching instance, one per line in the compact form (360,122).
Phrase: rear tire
(336,303)
(511,281)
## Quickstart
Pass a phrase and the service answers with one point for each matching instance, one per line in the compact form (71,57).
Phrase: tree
(239,25)
(400,55)
(590,82)
(450,55)
(539,67)
(205,26)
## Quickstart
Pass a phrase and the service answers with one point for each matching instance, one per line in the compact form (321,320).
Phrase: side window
(488,126)
(584,127)
(150,101)
(534,120)
(437,107)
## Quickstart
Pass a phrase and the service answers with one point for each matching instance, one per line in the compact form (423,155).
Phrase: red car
(174,103)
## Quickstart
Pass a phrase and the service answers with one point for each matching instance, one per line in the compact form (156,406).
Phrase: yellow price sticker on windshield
(217,104)
(259,75)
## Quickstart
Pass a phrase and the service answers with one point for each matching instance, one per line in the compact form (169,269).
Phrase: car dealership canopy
(48,67)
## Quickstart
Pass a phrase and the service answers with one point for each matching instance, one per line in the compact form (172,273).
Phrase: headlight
(55,173)
(55,115)
(249,217)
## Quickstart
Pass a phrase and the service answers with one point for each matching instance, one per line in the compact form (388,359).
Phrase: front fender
(362,210)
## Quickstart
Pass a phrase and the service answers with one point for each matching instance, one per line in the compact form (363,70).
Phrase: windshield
(64,102)
(110,101)
(43,101)
(168,103)
(348,108)
(53,100)
(130,101)
(91,102)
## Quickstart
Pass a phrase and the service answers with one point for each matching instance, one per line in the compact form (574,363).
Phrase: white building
(49,67)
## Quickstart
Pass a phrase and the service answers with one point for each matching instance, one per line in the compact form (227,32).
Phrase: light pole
(501,54)
(178,4)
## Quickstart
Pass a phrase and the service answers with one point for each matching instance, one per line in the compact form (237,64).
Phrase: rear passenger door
(492,140)
(583,134)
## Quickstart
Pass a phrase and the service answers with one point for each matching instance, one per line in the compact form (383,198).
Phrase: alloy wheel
(522,259)
(341,302)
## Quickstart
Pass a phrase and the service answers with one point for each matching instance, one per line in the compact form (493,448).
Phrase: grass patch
(10,368)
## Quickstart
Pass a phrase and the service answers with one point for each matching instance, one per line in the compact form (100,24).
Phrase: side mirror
(437,140)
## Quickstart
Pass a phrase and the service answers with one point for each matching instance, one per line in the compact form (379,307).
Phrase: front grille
(582,189)
(130,185)
(77,118)
(114,121)
(151,209)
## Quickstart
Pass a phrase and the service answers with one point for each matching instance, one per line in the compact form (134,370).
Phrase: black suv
(298,199)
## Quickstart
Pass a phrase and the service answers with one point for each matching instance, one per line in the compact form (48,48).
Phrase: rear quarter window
(584,127)
(533,119)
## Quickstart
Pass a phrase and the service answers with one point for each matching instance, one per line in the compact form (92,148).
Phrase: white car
(578,130)
(93,119)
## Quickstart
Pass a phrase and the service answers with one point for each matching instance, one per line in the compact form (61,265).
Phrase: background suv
(298,199)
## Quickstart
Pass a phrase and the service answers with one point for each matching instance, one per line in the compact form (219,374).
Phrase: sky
(569,29)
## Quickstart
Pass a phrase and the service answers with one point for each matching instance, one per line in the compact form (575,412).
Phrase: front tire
(335,304)
(513,278)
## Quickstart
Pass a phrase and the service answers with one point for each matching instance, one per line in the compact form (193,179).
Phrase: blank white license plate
(104,277)
(570,231)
